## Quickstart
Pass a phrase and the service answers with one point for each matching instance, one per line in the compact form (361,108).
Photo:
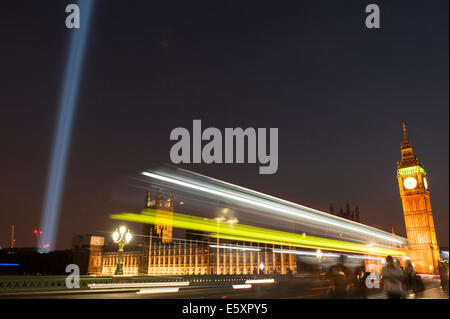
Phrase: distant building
(348,213)
(88,250)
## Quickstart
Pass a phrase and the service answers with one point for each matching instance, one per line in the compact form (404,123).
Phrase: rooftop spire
(147,199)
(406,143)
(408,156)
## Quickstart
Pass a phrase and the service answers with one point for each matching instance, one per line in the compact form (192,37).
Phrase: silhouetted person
(340,277)
(289,273)
(404,280)
(418,285)
(412,280)
(393,279)
(360,282)
(443,274)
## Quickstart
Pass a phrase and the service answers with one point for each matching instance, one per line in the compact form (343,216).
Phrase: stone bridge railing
(10,284)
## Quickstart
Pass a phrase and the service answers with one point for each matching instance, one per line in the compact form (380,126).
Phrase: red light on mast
(38,234)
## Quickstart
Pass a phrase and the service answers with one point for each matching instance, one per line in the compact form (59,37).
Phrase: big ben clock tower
(415,194)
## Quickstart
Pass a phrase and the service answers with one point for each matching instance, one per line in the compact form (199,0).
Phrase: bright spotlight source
(122,230)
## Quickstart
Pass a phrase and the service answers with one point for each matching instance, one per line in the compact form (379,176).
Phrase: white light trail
(312,253)
(139,285)
(260,281)
(304,253)
(365,257)
(302,213)
(235,247)
(245,286)
(280,200)
(157,290)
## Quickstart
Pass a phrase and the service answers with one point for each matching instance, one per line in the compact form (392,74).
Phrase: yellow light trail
(248,233)
(273,204)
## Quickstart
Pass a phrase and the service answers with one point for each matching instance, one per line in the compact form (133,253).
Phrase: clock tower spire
(408,155)
(413,185)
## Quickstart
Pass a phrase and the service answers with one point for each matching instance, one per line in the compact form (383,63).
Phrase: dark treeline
(32,262)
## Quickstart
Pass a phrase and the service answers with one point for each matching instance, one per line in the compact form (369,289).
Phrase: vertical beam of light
(61,139)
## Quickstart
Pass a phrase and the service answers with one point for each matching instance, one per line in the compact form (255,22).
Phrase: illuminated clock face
(425,182)
(410,183)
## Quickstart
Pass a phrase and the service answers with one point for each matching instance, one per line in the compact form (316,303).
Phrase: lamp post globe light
(121,237)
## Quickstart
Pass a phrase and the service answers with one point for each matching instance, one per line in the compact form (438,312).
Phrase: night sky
(337,91)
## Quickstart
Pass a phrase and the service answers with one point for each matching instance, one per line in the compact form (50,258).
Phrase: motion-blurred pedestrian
(340,278)
(410,275)
(393,277)
(275,272)
(443,274)
(289,273)
(404,280)
(360,282)
(419,287)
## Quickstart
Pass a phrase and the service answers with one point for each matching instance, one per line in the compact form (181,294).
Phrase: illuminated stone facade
(415,194)
(190,257)
(160,254)
(132,261)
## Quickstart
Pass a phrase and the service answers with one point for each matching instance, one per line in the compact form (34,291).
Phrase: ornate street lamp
(121,238)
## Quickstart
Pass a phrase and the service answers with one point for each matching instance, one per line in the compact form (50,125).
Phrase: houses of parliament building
(160,254)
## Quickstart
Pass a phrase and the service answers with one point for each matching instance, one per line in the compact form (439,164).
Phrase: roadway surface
(295,289)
